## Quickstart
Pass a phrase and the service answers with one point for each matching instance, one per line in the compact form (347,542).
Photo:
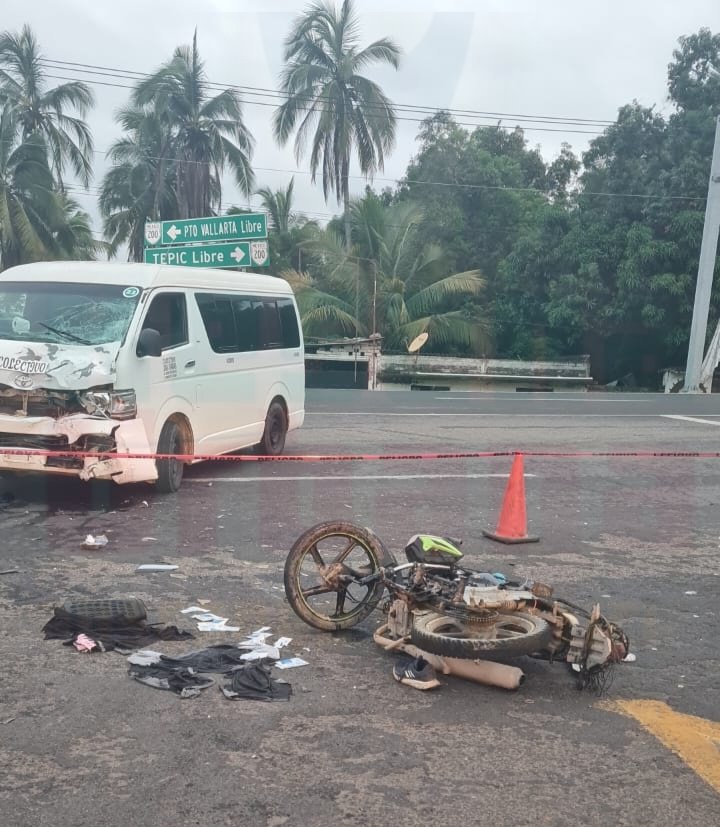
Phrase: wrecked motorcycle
(337,573)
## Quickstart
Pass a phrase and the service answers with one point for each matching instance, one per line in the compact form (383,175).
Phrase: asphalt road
(82,744)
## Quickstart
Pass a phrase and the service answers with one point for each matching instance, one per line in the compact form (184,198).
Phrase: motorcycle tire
(106,610)
(520,634)
(364,540)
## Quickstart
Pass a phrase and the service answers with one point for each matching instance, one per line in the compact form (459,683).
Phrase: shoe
(416,673)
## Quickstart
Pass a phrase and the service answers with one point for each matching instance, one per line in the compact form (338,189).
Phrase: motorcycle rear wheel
(311,597)
(510,635)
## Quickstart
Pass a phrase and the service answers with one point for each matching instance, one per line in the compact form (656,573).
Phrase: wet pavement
(82,744)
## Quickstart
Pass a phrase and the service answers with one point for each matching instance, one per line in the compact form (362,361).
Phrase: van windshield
(65,313)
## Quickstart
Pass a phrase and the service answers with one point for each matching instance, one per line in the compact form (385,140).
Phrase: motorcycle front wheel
(506,635)
(322,572)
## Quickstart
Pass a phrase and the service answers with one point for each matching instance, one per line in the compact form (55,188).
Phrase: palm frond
(433,297)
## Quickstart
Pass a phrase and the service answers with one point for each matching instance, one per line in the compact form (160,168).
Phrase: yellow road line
(695,740)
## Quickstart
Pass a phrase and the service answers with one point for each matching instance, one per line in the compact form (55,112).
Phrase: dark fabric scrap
(188,674)
(220,658)
(119,635)
(254,682)
(183,682)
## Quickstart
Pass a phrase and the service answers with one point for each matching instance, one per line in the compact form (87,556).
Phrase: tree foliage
(330,104)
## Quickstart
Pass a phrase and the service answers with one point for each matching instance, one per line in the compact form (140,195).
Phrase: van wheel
(276,426)
(170,471)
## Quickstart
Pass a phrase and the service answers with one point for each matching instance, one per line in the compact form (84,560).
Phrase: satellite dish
(417,343)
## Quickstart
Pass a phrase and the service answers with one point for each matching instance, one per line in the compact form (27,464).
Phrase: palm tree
(291,231)
(73,238)
(392,283)
(140,184)
(328,97)
(207,134)
(278,205)
(23,84)
(28,205)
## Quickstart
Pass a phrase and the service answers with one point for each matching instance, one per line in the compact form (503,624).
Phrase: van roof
(144,275)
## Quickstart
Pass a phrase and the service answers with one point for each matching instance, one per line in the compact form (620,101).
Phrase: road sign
(214,228)
(237,254)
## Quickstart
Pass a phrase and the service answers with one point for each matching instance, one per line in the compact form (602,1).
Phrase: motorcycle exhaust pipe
(486,672)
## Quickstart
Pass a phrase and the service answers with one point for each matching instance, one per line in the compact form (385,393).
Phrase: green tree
(392,282)
(205,134)
(36,222)
(289,232)
(335,108)
(55,113)
(140,184)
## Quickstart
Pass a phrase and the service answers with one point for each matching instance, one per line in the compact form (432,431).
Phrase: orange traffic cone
(512,525)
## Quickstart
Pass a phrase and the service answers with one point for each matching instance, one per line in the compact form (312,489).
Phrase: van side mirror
(149,343)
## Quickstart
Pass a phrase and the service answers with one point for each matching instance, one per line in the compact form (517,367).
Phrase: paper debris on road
(156,567)
(209,617)
(191,609)
(95,541)
(282,642)
(289,663)
(262,650)
(217,626)
(629,658)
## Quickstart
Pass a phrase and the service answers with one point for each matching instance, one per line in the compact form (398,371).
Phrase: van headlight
(115,404)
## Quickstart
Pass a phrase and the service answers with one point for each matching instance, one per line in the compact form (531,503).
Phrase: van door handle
(297,353)
(190,364)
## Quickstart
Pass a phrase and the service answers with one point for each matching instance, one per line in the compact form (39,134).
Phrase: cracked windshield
(85,314)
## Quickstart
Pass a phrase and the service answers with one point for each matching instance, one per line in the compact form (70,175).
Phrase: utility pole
(706,267)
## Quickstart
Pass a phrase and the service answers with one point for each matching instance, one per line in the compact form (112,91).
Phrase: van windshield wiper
(71,336)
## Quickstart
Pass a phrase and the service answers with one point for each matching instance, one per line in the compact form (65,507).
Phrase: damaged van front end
(59,406)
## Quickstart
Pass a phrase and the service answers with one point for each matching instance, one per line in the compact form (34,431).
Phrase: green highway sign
(237,254)
(214,228)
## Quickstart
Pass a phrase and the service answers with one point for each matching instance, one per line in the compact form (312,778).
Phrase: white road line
(534,400)
(691,419)
(330,478)
(506,415)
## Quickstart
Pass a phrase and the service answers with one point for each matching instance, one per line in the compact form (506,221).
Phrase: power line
(129,74)
(307,109)
(447,184)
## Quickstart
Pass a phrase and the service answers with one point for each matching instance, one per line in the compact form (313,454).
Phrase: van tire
(170,471)
(276,428)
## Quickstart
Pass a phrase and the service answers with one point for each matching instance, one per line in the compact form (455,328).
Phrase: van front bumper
(54,442)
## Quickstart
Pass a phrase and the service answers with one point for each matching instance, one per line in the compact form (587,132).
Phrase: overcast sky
(558,57)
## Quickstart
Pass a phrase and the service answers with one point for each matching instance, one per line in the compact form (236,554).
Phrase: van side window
(168,315)
(246,319)
(217,316)
(288,320)
(269,324)
(242,324)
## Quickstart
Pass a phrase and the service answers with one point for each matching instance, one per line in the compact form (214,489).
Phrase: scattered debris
(629,658)
(690,592)
(10,571)
(156,567)
(217,626)
(149,540)
(290,663)
(83,643)
(255,683)
(7,721)
(189,674)
(119,624)
(93,542)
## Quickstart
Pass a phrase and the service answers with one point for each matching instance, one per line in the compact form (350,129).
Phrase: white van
(140,358)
